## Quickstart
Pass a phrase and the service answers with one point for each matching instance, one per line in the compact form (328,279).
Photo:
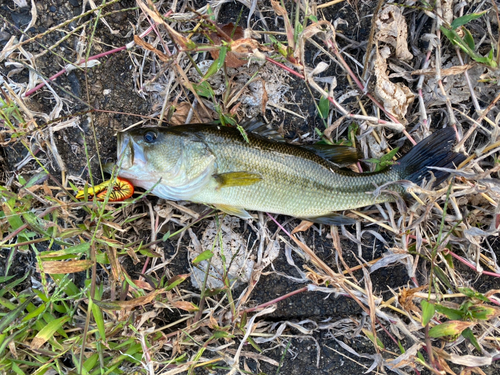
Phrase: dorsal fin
(264,130)
(341,155)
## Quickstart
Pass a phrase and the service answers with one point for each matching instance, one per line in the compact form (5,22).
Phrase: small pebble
(52,8)
(4,35)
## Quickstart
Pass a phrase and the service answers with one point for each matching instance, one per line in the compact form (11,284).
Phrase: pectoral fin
(331,219)
(341,155)
(236,179)
(236,211)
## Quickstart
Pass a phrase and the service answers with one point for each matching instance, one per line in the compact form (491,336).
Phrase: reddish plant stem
(470,265)
(360,85)
(387,332)
(283,66)
(428,346)
(279,225)
(60,73)
(25,225)
(276,300)
(95,57)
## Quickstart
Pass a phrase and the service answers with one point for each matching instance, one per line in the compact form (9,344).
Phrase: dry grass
(439,74)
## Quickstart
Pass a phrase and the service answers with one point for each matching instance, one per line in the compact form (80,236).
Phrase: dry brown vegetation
(419,66)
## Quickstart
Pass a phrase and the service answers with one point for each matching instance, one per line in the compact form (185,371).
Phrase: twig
(95,57)
(276,300)
(470,265)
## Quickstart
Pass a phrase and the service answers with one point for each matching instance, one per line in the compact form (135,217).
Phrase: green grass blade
(48,331)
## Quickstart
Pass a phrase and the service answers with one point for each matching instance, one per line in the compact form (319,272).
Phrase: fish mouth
(125,151)
(129,154)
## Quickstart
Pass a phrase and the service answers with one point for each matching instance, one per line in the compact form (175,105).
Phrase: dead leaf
(184,305)
(392,29)
(240,48)
(406,297)
(176,37)
(232,61)
(143,318)
(47,190)
(244,47)
(230,255)
(471,370)
(465,360)
(444,365)
(141,43)
(143,284)
(130,304)
(323,29)
(455,70)
(405,359)
(280,11)
(153,13)
(64,267)
(328,132)
(395,97)
(265,97)
(303,226)
(447,9)
(179,39)
(181,113)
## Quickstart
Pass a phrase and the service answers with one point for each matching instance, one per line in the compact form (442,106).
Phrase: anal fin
(331,219)
(236,211)
(236,179)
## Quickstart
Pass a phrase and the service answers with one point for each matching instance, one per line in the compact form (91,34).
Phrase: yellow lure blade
(122,189)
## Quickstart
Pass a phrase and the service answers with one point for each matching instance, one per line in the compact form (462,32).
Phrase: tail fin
(433,151)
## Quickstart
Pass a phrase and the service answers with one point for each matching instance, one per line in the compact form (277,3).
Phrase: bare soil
(111,88)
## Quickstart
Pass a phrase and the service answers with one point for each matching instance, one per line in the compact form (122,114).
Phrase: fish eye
(150,137)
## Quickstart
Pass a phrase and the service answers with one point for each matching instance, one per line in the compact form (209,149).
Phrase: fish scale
(215,165)
(295,182)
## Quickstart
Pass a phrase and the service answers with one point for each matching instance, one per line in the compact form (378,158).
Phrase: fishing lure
(121,189)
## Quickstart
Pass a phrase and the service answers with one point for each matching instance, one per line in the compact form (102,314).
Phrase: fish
(217,166)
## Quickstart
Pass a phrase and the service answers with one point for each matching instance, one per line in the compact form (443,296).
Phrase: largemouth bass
(216,165)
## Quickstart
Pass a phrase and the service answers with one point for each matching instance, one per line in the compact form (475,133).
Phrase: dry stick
(393,125)
(95,57)
(337,54)
(276,300)
(471,88)
(474,125)
(438,19)
(67,22)
(319,263)
(470,265)
(423,110)
(333,2)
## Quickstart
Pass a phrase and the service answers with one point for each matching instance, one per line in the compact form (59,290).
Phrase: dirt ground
(112,88)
